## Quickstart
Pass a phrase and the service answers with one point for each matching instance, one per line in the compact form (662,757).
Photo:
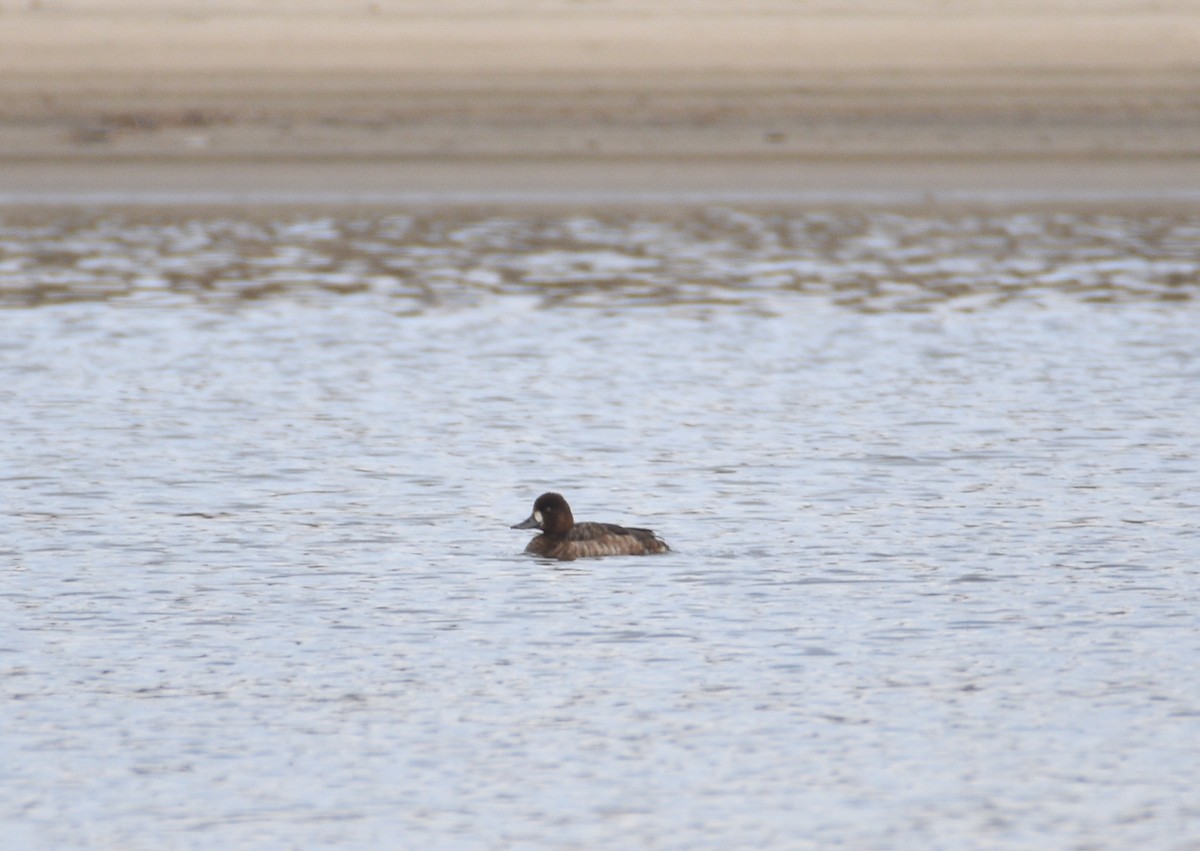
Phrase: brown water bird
(564,539)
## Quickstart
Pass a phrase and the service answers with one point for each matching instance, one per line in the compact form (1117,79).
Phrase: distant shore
(570,101)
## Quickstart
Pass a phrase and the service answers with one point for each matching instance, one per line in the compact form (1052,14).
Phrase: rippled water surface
(930,478)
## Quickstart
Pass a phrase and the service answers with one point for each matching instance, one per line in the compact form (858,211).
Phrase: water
(930,479)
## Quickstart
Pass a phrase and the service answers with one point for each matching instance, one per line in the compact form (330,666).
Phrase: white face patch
(537,517)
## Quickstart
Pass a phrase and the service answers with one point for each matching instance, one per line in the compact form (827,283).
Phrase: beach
(529,100)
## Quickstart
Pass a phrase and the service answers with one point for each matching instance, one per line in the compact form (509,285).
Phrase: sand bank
(531,97)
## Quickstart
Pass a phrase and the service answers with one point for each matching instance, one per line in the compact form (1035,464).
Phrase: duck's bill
(529,522)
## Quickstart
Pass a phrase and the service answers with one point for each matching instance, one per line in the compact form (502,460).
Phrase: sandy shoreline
(528,100)
(576,183)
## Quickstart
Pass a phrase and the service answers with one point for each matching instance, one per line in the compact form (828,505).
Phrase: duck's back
(590,540)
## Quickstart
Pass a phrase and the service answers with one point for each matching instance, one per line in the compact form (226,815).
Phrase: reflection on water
(930,482)
(870,261)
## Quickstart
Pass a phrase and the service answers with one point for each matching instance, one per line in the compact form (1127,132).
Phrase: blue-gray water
(930,479)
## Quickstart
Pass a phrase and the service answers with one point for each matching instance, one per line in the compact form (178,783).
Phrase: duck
(563,539)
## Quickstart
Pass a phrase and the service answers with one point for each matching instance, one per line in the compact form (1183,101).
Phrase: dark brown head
(551,514)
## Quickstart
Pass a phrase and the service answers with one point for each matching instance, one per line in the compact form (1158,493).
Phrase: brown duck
(562,538)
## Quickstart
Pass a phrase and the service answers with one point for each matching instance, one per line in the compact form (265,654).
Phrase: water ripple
(929,481)
(868,261)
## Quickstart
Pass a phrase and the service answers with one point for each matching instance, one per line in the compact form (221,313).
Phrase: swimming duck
(564,539)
